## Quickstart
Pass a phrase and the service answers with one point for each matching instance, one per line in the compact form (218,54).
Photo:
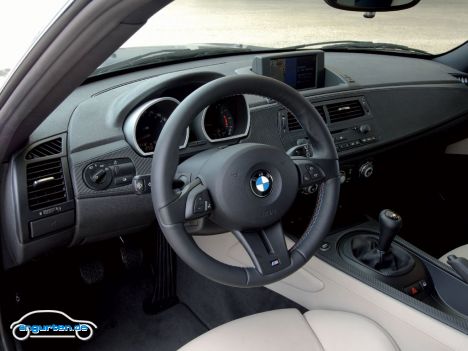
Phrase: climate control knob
(366,170)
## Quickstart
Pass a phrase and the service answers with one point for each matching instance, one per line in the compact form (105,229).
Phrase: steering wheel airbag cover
(229,173)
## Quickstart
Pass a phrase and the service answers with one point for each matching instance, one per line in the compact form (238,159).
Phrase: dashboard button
(124,169)
(365,128)
(412,290)
(142,184)
(340,138)
(202,204)
(313,171)
(125,180)
(139,185)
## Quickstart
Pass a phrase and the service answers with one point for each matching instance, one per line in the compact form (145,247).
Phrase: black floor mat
(131,329)
(115,304)
(123,325)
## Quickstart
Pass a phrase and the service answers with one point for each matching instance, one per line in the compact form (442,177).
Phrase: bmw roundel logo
(261,183)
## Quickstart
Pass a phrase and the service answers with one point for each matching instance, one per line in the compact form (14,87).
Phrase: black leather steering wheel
(245,188)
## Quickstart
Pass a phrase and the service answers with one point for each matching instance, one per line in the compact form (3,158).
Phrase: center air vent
(49,148)
(293,123)
(321,111)
(46,184)
(463,78)
(341,111)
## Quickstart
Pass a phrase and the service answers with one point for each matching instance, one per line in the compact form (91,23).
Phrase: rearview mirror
(372,5)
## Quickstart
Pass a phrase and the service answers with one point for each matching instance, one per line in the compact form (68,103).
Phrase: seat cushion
(289,330)
(338,330)
(461,251)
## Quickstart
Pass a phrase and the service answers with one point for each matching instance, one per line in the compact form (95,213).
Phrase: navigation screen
(298,72)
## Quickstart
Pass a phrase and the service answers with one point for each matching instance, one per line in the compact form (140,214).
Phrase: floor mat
(123,325)
(134,330)
(115,305)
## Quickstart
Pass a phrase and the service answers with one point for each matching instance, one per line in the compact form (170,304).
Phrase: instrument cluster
(224,120)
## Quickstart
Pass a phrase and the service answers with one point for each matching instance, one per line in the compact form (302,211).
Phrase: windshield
(19,29)
(432,26)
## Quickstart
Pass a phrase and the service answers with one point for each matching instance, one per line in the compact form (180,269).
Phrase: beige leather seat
(461,251)
(289,330)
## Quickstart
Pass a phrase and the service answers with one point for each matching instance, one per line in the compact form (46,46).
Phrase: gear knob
(390,225)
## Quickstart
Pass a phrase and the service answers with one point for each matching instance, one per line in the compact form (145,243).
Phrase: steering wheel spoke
(314,171)
(193,202)
(266,247)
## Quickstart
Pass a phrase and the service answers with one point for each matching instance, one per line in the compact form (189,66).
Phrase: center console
(374,253)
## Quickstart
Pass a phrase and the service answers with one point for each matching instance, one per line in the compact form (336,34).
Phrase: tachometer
(146,123)
(226,119)
(219,122)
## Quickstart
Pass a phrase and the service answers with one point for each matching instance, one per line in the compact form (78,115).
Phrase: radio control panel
(355,136)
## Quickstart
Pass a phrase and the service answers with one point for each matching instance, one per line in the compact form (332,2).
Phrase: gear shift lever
(390,225)
(379,253)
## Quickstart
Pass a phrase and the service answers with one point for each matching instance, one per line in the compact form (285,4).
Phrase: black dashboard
(84,176)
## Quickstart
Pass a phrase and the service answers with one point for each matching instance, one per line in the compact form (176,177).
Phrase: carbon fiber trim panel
(333,258)
(142,166)
(264,127)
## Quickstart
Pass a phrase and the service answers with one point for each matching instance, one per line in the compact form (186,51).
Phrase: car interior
(308,197)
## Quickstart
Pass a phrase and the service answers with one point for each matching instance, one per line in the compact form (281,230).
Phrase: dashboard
(84,175)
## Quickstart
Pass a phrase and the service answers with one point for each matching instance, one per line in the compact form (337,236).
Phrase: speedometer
(149,128)
(146,123)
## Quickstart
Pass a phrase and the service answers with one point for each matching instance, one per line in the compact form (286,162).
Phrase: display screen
(299,72)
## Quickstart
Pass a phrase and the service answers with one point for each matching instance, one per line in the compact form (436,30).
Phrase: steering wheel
(245,188)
